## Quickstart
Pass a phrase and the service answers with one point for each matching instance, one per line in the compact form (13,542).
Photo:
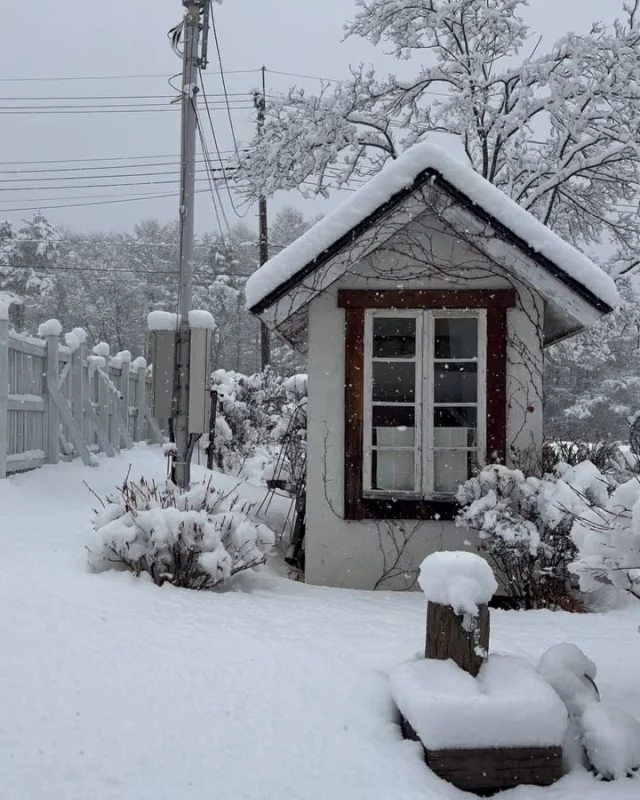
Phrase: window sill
(389,507)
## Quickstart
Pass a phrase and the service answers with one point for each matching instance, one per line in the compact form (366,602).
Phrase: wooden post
(77,384)
(212,428)
(52,415)
(462,638)
(103,407)
(124,391)
(4,393)
(141,398)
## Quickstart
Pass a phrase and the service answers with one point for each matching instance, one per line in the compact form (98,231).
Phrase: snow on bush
(195,540)
(253,415)
(524,524)
(607,538)
(461,580)
(608,738)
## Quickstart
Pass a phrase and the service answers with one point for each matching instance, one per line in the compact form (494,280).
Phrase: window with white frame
(424,400)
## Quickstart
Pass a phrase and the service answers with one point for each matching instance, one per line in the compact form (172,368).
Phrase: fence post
(52,414)
(103,406)
(4,392)
(124,391)
(141,397)
(77,384)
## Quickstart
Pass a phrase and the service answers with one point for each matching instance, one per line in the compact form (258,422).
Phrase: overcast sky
(46,39)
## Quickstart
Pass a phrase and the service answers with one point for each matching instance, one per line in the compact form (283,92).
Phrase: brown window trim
(426,298)
(496,301)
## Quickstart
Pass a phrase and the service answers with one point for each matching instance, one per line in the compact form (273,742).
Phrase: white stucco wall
(356,554)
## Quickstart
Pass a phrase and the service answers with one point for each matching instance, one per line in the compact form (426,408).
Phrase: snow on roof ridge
(400,174)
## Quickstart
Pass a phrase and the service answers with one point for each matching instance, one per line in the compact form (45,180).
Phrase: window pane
(456,383)
(394,381)
(451,468)
(393,426)
(392,470)
(394,337)
(455,427)
(456,338)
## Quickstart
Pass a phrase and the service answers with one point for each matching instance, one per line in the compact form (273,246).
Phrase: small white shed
(424,304)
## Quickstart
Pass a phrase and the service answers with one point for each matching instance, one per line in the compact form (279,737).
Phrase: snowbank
(461,580)
(507,705)
(401,174)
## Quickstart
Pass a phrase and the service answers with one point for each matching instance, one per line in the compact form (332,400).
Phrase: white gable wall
(357,554)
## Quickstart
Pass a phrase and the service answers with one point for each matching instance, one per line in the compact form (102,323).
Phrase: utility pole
(190,65)
(260,102)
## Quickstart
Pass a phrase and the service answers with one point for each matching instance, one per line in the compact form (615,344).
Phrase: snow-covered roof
(402,174)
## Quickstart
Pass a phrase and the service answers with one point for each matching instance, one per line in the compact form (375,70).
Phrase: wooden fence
(59,402)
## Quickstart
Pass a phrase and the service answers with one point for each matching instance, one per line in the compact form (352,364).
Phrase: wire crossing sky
(95,91)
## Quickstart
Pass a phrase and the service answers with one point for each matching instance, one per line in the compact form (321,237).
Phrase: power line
(215,142)
(224,81)
(110,77)
(83,160)
(87,169)
(105,110)
(56,178)
(96,203)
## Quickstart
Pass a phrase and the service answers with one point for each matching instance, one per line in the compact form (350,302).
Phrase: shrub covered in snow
(607,539)
(524,525)
(249,409)
(254,416)
(195,540)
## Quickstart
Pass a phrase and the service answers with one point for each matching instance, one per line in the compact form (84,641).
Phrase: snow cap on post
(75,338)
(162,321)
(50,328)
(202,319)
(101,349)
(139,363)
(463,581)
(6,300)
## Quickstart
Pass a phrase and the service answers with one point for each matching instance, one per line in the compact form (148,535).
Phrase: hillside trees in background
(107,282)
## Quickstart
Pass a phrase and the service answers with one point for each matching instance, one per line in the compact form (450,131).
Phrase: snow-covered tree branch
(558,131)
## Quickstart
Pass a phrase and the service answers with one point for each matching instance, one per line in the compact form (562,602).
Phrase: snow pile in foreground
(461,580)
(400,174)
(610,736)
(112,689)
(507,705)
(196,540)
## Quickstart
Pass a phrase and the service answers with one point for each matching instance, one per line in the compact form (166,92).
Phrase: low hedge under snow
(196,539)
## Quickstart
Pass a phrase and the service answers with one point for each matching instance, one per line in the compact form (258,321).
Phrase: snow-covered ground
(113,689)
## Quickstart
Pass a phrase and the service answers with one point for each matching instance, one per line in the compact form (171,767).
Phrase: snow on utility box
(486,723)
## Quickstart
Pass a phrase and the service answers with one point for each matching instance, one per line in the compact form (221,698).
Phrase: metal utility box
(163,356)
(200,380)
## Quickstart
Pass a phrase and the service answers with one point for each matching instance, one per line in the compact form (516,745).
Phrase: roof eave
(431,174)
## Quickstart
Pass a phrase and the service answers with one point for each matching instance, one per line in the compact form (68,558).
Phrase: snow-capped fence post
(51,335)
(4,387)
(458,587)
